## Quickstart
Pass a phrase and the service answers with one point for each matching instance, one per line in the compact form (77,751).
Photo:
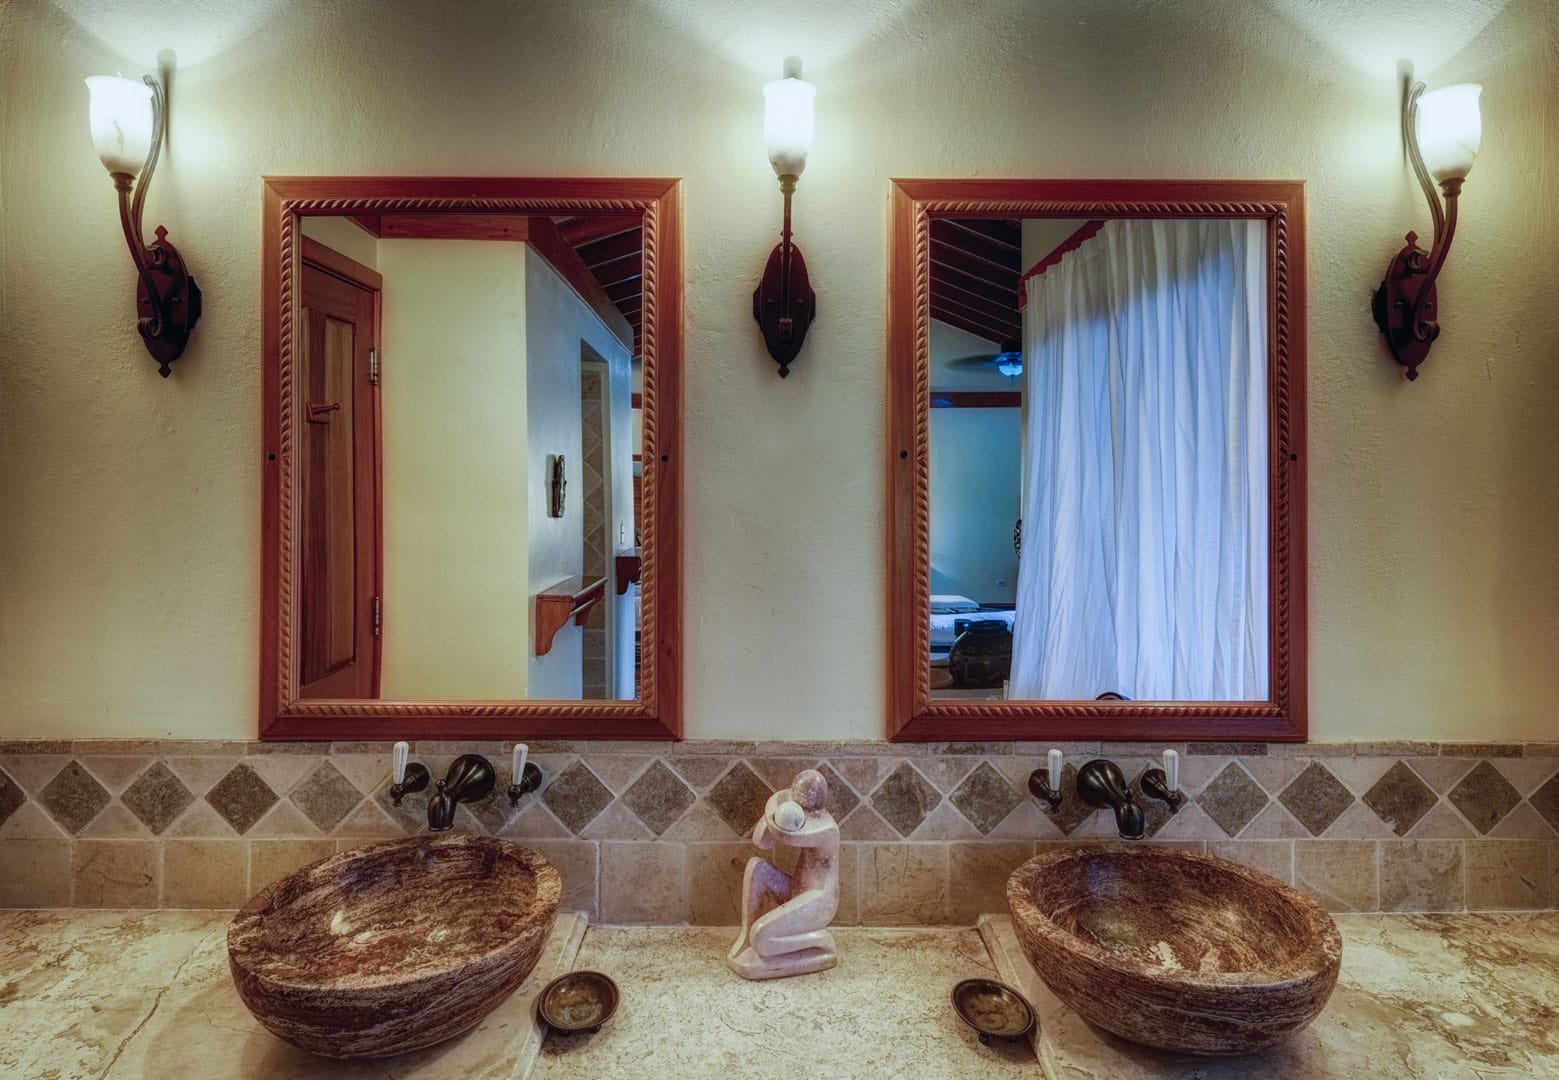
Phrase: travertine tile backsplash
(656,832)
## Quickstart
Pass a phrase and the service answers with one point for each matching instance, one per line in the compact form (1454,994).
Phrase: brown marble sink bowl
(1172,950)
(394,946)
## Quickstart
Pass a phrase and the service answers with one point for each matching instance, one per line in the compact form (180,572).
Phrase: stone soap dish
(578,1001)
(993,1009)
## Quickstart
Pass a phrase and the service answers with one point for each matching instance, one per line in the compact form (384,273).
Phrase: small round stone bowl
(577,1001)
(993,1009)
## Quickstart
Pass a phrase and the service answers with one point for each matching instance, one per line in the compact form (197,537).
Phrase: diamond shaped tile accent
(576,796)
(157,797)
(985,797)
(11,796)
(493,811)
(1073,811)
(1545,800)
(658,797)
(411,815)
(1155,813)
(74,797)
(242,797)
(905,798)
(1484,797)
(841,796)
(1233,799)
(1400,798)
(325,796)
(1316,798)
(739,797)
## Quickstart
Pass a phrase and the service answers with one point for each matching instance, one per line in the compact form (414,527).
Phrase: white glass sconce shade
(787,120)
(120,115)
(1450,129)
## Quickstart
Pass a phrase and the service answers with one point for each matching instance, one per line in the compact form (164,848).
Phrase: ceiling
(613,249)
(975,267)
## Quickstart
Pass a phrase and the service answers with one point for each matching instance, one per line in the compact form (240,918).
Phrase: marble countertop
(146,995)
(1419,997)
(125,995)
(883,1012)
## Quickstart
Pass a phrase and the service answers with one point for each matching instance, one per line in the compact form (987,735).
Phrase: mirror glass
(1099,459)
(467,409)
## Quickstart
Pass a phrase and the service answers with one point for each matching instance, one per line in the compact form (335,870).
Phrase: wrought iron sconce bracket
(1406,305)
(784,303)
(168,301)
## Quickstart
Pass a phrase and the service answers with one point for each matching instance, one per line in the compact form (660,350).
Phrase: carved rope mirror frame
(912,713)
(657,712)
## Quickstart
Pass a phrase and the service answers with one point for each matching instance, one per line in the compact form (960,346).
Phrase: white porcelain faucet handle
(398,760)
(1172,769)
(1055,759)
(521,752)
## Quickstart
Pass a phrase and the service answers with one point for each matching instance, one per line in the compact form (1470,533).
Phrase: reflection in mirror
(469,465)
(1099,459)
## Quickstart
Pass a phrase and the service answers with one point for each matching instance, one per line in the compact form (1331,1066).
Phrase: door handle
(320,414)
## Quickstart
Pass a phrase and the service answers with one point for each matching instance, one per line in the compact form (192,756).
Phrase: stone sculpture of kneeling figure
(793,938)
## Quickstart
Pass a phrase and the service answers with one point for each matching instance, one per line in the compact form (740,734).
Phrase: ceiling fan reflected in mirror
(1008,360)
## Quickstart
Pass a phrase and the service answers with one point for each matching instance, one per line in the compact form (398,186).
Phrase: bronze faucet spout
(471,779)
(1128,819)
(441,810)
(1101,784)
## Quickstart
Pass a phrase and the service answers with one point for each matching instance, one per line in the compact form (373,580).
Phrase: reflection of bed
(948,611)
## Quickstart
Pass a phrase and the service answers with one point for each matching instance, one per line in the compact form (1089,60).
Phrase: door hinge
(378,607)
(373,367)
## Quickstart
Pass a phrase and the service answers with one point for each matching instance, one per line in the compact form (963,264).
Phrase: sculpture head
(810,790)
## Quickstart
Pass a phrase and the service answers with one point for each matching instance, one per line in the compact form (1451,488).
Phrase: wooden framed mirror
(1097,460)
(472,435)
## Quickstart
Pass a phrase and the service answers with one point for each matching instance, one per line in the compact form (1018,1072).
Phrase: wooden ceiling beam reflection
(997,333)
(587,230)
(627,268)
(975,269)
(960,322)
(623,291)
(946,291)
(613,248)
(957,232)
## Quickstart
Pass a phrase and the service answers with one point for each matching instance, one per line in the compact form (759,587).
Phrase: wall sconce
(1442,130)
(784,303)
(127,119)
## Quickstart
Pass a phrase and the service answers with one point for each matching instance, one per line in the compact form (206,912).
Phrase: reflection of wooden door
(338,459)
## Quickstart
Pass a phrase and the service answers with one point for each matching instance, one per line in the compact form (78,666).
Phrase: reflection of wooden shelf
(571,598)
(629,569)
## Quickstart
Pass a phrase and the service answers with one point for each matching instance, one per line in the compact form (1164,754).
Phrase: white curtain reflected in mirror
(1099,486)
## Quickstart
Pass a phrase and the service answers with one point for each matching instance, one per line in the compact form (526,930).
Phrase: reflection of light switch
(1001,583)
(622,533)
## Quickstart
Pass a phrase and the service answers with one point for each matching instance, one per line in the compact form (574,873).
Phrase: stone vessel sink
(1173,950)
(394,946)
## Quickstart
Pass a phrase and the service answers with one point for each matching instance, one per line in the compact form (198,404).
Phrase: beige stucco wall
(456,480)
(341,234)
(130,535)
